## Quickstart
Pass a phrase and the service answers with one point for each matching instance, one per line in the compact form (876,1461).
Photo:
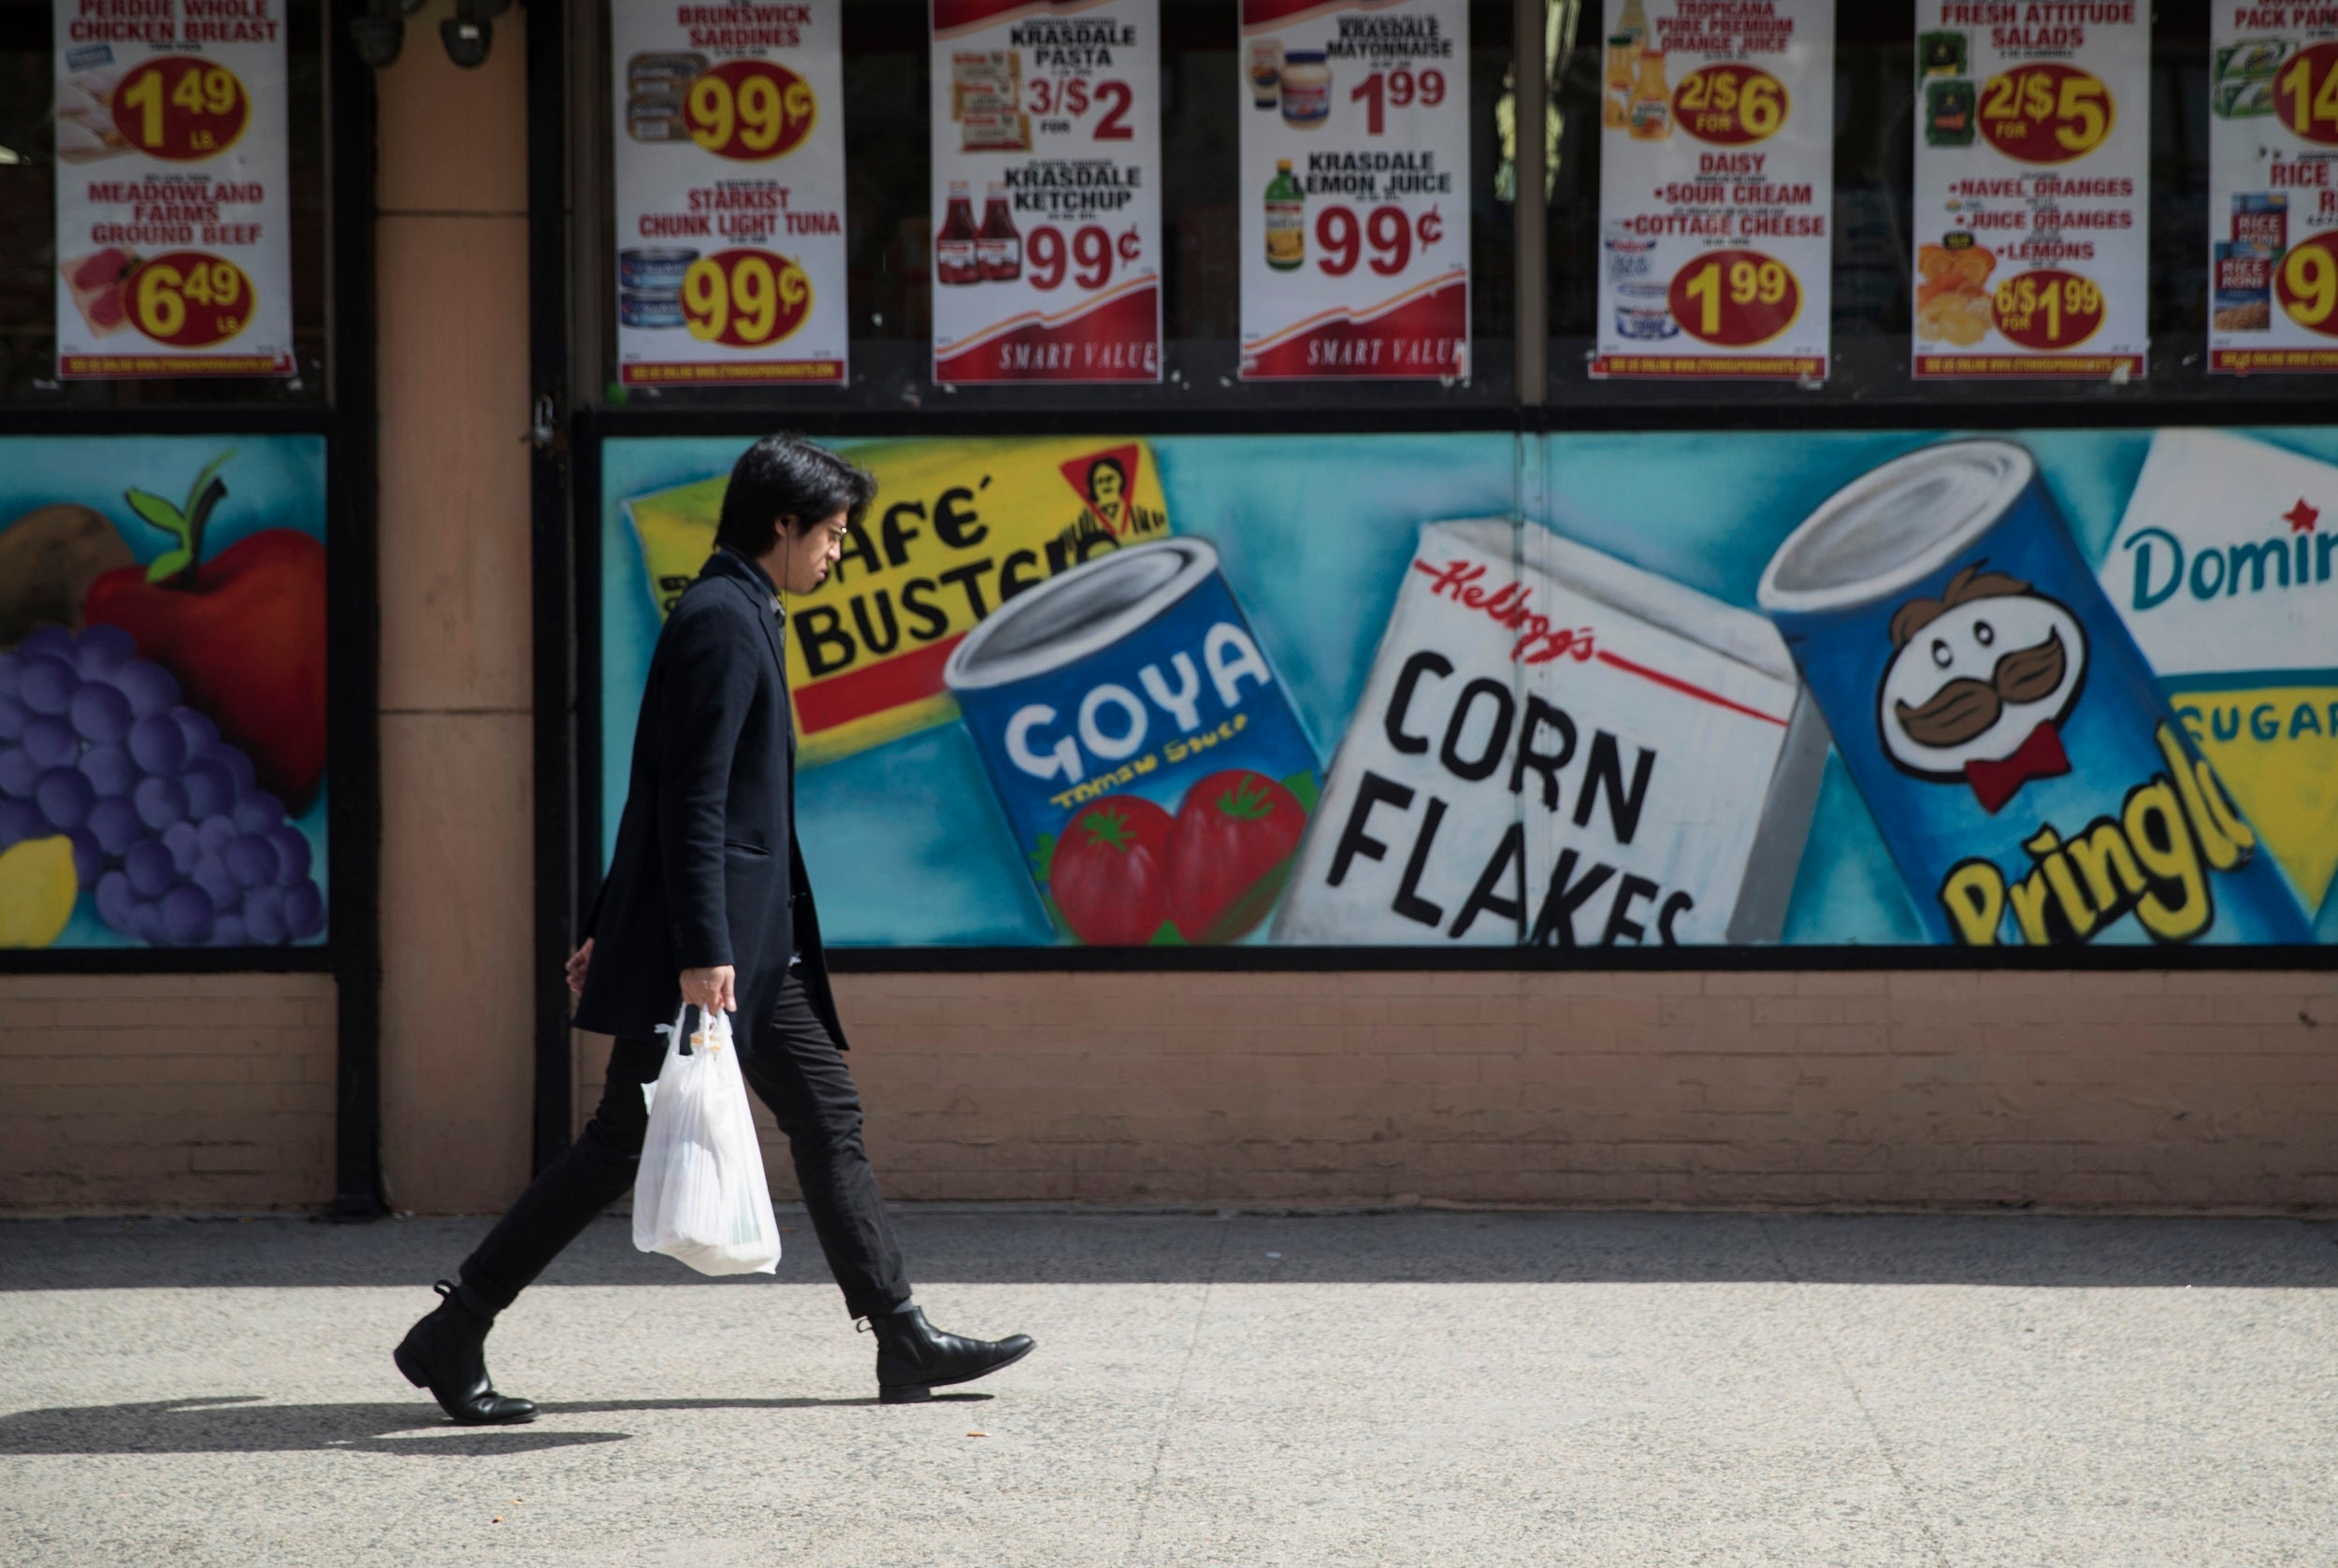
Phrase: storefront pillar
(451,243)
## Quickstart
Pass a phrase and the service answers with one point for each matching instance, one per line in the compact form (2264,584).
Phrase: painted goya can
(1149,763)
(2014,748)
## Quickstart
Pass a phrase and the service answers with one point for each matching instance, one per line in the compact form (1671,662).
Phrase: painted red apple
(244,633)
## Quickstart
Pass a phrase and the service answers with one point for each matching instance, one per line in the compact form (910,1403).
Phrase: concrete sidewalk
(1411,1388)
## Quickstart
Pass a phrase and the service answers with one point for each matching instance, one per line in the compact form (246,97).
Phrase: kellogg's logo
(1540,641)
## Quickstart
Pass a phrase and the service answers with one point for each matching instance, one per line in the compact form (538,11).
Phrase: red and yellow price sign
(2047,113)
(180,107)
(1734,299)
(2306,284)
(2306,94)
(189,299)
(2048,308)
(1730,105)
(744,299)
(749,109)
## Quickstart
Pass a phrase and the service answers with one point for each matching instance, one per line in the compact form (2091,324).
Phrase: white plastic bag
(701,1194)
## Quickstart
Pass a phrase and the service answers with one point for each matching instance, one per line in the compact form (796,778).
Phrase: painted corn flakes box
(960,528)
(1149,761)
(1556,749)
(2012,743)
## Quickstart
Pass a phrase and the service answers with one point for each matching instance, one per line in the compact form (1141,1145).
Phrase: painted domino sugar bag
(2222,570)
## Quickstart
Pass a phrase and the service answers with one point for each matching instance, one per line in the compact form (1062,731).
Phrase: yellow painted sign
(958,529)
(2277,749)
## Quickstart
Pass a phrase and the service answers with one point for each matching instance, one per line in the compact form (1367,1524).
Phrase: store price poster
(1355,189)
(174,234)
(2032,191)
(2273,188)
(729,174)
(1716,189)
(1046,191)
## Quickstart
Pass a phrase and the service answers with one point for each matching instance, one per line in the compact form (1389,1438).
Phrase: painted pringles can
(2015,749)
(1149,763)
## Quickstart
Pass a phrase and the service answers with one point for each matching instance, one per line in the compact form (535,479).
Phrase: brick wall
(2091,1091)
(156,1092)
(2102,1091)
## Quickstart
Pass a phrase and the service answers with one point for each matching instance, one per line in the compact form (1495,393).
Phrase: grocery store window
(889,174)
(130,146)
(1872,267)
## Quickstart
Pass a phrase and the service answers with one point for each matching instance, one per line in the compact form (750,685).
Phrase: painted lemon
(38,887)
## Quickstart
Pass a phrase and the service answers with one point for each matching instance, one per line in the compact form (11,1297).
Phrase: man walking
(706,902)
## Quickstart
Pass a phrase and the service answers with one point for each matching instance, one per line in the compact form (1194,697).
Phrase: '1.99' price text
(1734,299)
(1383,90)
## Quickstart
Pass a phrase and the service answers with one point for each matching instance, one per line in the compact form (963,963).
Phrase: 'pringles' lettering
(2152,857)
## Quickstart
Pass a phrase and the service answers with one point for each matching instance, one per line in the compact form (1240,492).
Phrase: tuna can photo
(657,271)
(1149,763)
(649,310)
(2017,752)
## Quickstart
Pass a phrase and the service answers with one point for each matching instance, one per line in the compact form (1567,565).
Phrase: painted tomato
(1230,853)
(1108,874)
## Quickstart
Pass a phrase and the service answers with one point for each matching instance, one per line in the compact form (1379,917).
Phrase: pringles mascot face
(1982,680)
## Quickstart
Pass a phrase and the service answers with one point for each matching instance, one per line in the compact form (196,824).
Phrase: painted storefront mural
(162,692)
(2054,688)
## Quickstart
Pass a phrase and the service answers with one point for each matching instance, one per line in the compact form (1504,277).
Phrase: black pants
(801,1074)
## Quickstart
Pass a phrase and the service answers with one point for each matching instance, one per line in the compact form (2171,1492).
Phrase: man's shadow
(245,1424)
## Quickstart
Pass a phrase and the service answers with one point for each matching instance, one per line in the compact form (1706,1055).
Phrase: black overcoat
(706,868)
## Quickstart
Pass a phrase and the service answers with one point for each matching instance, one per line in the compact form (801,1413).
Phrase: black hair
(1112,463)
(783,477)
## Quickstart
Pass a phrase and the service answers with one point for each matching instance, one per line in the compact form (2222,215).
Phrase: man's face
(810,553)
(1103,483)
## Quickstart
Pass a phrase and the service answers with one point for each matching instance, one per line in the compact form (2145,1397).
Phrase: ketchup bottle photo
(954,257)
(999,248)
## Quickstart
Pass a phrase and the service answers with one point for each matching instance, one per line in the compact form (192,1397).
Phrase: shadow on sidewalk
(1011,1246)
(244,1424)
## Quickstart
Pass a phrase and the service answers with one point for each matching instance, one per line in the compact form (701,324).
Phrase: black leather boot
(915,1358)
(447,1353)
